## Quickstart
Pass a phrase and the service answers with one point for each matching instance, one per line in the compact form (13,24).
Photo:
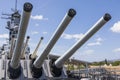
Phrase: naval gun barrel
(61,27)
(24,49)
(60,61)
(12,46)
(23,27)
(33,56)
(20,39)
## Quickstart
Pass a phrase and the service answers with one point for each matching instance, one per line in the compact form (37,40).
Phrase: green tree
(116,63)
(71,67)
(80,67)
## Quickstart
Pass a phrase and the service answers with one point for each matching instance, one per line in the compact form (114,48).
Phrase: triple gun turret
(37,66)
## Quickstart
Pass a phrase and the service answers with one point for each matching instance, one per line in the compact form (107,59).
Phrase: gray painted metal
(61,27)
(24,49)
(60,61)
(12,47)
(34,55)
(23,27)
(25,61)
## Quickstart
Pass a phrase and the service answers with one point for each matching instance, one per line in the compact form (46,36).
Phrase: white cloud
(94,44)
(36,24)
(4,36)
(99,39)
(38,17)
(34,32)
(97,42)
(72,36)
(116,27)
(44,33)
(117,50)
(90,51)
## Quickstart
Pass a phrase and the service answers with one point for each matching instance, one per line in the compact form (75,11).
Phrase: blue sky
(47,14)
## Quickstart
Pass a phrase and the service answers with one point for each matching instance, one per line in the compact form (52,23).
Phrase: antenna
(15,5)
